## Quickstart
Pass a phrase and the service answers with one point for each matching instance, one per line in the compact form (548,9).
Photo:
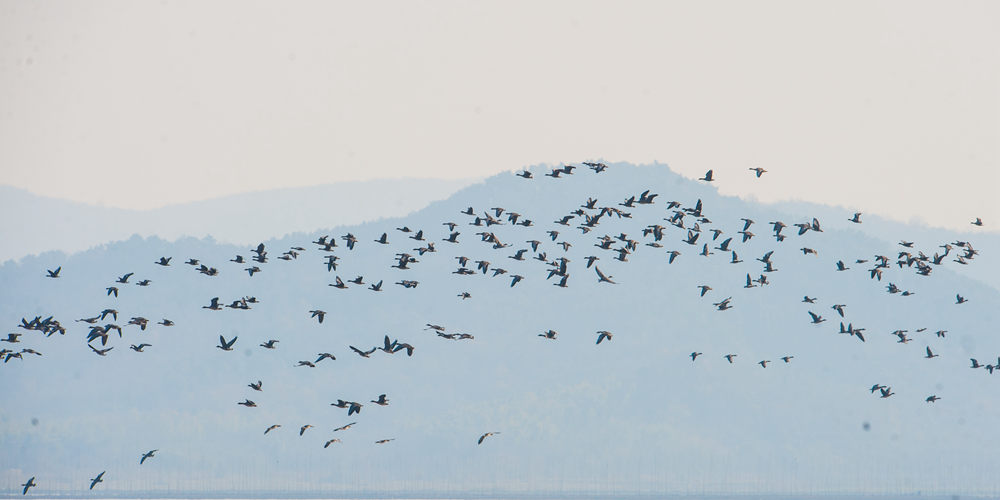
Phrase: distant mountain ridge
(34,224)
(631,416)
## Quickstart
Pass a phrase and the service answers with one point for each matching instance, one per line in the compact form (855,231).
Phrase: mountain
(45,224)
(630,416)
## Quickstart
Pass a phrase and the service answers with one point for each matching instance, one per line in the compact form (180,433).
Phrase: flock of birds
(691,222)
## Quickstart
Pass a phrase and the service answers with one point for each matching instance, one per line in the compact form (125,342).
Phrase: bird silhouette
(344,427)
(226,345)
(363,354)
(100,352)
(98,479)
(484,436)
(31,482)
(602,278)
(318,314)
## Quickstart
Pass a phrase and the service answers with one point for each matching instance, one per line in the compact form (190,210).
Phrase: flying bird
(722,306)
(318,314)
(31,482)
(226,345)
(602,278)
(98,479)
(148,454)
(363,354)
(100,352)
(484,436)
(354,408)
(816,319)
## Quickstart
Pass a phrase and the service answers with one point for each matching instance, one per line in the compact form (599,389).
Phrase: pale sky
(883,107)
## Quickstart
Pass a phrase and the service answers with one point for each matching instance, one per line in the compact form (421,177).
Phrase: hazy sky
(884,107)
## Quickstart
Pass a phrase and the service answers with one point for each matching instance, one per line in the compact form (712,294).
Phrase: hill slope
(631,415)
